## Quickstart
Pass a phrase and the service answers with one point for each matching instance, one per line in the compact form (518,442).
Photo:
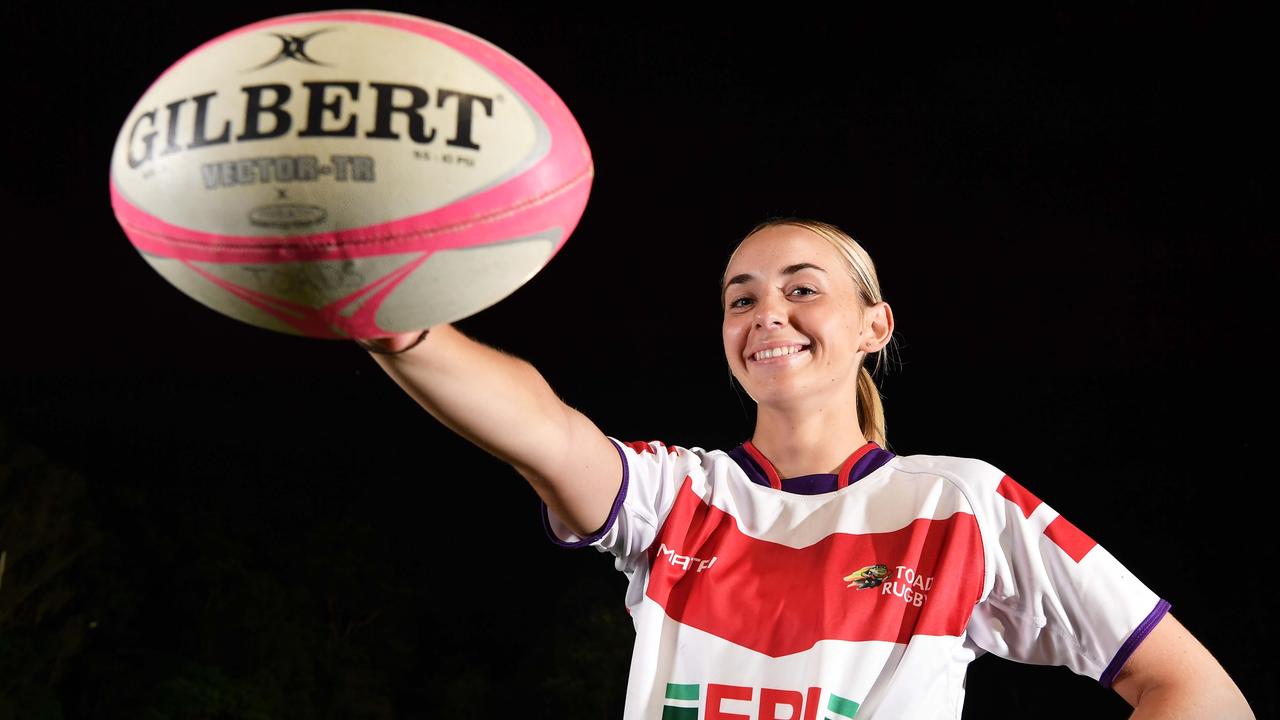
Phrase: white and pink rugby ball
(349,174)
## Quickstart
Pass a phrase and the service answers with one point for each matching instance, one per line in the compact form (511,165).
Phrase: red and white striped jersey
(864,593)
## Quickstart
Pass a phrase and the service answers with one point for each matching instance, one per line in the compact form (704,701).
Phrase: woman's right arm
(503,405)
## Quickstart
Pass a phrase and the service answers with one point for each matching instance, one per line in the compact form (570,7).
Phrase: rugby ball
(349,174)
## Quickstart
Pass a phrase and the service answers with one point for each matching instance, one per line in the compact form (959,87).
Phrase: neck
(809,442)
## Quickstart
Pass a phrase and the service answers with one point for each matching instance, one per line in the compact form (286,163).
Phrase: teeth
(778,352)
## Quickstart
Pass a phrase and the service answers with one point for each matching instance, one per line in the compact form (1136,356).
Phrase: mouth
(779,354)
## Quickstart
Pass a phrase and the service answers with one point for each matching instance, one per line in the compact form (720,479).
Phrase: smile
(778,352)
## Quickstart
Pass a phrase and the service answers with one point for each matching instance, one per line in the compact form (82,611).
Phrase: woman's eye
(744,300)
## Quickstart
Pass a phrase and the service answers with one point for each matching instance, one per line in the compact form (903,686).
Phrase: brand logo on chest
(684,562)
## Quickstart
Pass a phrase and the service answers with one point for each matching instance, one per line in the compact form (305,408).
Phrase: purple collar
(861,463)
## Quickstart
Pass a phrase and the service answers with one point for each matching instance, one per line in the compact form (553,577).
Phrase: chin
(776,393)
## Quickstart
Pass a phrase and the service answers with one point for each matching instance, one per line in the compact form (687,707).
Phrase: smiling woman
(834,317)
(811,568)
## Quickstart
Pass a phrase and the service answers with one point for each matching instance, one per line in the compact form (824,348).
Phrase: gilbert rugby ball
(349,174)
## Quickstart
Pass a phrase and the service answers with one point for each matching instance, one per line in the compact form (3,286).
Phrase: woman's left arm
(1171,675)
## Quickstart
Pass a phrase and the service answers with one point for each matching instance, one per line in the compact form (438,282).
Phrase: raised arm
(504,405)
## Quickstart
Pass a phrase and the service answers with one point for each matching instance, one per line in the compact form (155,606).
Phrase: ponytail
(870,409)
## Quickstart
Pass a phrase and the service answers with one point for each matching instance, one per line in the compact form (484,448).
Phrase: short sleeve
(1056,597)
(652,473)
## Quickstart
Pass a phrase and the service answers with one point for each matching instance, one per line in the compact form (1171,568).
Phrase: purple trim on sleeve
(1135,639)
(608,523)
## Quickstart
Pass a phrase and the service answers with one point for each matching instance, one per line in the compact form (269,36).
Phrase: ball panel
(215,296)
(432,295)
(313,284)
(379,295)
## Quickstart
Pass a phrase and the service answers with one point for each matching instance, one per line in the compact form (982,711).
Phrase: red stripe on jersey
(717,693)
(1070,538)
(643,447)
(1018,495)
(779,600)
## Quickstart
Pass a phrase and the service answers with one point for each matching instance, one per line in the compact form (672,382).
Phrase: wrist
(393,345)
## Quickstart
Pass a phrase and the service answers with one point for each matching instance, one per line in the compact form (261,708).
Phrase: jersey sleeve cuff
(563,537)
(1135,639)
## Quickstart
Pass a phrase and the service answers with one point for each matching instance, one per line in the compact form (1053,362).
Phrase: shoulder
(655,447)
(659,448)
(969,474)
(990,494)
(664,459)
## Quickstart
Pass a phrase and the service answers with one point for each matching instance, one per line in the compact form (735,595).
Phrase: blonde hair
(863,273)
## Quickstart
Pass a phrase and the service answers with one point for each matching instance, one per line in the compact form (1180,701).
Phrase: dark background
(1071,213)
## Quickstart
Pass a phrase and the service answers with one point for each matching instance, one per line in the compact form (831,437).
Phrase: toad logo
(867,577)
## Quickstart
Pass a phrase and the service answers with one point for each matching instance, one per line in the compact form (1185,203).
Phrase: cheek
(848,324)
(731,339)
(727,345)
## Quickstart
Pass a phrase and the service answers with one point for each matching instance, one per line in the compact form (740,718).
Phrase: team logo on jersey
(867,577)
(906,583)
(715,701)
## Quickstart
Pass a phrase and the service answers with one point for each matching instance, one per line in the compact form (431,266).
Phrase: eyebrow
(788,270)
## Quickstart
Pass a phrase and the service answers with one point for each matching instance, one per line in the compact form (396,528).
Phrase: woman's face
(788,289)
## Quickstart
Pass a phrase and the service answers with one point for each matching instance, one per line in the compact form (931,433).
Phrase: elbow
(1215,698)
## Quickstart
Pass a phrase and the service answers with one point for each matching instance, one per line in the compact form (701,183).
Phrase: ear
(877,327)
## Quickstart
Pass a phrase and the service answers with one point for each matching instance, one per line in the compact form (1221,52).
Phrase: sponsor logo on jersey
(716,701)
(684,561)
(867,577)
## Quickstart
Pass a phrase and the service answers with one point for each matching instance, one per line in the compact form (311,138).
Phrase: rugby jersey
(860,594)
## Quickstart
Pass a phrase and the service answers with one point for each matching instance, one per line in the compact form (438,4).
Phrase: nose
(770,310)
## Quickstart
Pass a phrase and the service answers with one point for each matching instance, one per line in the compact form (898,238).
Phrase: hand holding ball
(349,174)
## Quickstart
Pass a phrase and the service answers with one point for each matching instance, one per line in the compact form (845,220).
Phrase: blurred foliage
(591,656)
(45,529)
(124,598)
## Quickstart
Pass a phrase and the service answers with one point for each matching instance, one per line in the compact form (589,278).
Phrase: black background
(1071,213)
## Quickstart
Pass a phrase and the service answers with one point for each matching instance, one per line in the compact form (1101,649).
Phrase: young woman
(810,572)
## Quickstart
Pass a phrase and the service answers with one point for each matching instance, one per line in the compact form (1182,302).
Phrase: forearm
(497,401)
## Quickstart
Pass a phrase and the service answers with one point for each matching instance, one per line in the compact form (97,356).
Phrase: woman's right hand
(393,344)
